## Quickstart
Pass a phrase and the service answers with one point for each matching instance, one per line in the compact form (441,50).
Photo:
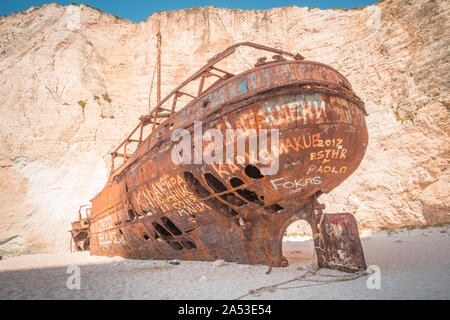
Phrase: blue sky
(138,10)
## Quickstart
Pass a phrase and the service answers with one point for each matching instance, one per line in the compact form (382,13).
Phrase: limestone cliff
(74,80)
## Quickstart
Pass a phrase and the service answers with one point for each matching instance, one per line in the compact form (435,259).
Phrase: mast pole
(158,63)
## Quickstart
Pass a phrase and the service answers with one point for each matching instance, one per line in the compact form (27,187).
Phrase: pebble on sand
(218,263)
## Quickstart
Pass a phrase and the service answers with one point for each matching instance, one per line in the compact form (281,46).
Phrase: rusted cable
(274,287)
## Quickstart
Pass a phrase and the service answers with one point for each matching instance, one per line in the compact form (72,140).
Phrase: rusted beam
(122,155)
(174,104)
(228,75)
(200,87)
(186,94)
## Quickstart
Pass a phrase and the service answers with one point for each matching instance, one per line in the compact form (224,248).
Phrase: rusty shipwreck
(151,208)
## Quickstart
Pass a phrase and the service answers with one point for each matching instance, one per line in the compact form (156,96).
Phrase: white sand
(414,264)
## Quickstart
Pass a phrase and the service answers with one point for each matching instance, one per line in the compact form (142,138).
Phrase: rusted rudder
(337,243)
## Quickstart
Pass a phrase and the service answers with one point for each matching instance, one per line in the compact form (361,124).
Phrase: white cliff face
(74,80)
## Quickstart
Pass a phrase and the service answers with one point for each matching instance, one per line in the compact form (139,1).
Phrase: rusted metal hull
(153,209)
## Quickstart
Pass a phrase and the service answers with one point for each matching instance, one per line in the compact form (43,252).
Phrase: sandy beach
(413,264)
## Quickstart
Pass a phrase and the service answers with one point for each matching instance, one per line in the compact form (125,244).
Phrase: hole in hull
(253,172)
(195,185)
(131,214)
(188,244)
(175,245)
(171,226)
(218,187)
(201,191)
(245,193)
(297,245)
(214,183)
(163,232)
(274,208)
(221,207)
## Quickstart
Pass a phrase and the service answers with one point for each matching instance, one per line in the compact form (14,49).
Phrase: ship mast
(158,68)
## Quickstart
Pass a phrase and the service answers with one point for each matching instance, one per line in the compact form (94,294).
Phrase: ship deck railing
(162,114)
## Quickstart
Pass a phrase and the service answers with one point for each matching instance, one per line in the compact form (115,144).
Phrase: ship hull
(156,209)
